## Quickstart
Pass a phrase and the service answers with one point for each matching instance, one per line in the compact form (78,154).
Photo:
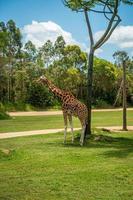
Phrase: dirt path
(35,113)
(35,132)
(49,131)
(44,113)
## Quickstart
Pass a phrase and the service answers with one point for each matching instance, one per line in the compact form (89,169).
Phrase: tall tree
(13,53)
(59,46)
(122,58)
(31,51)
(46,52)
(110,10)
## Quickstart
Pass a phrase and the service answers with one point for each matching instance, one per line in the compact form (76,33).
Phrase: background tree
(13,53)
(122,59)
(110,10)
(104,82)
(61,65)
(31,51)
(59,46)
(46,53)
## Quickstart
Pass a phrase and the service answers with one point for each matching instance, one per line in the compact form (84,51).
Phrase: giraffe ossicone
(70,107)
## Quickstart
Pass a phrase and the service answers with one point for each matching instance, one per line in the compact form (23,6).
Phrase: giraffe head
(43,79)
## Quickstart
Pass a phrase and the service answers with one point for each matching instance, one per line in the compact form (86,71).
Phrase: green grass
(42,168)
(49,122)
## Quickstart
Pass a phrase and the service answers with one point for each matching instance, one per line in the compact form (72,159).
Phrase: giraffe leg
(82,135)
(65,124)
(82,132)
(71,125)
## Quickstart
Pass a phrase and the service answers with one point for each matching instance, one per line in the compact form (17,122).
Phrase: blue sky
(23,12)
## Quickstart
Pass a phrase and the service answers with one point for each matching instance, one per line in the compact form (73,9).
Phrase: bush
(4,115)
(102,104)
(39,96)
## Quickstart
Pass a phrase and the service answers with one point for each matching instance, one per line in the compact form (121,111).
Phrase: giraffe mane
(44,78)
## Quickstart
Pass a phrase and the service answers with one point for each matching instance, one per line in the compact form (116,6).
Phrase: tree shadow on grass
(119,147)
(116,146)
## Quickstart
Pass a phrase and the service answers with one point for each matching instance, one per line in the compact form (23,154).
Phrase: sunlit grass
(42,167)
(51,122)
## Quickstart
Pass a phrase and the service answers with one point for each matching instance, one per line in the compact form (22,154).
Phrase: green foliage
(14,39)
(19,106)
(65,65)
(59,46)
(46,53)
(100,103)
(123,60)
(21,79)
(79,5)
(105,76)
(120,57)
(3,114)
(31,51)
(39,96)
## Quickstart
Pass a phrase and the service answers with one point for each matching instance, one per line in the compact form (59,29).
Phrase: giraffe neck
(55,90)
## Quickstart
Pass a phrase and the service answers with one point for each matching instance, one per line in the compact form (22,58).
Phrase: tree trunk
(89,89)
(124,98)
(8,86)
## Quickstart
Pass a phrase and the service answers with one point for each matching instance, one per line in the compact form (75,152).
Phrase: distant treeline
(65,65)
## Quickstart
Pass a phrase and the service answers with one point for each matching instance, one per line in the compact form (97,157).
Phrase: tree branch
(100,41)
(109,33)
(107,3)
(99,11)
(104,10)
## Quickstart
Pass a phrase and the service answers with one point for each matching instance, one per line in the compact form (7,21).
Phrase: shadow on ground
(116,146)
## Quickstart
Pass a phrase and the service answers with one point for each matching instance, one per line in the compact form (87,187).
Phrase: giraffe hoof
(81,144)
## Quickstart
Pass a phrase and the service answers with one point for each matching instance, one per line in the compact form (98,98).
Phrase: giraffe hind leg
(82,136)
(65,126)
(71,125)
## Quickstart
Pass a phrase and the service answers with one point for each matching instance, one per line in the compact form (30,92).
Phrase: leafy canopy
(79,5)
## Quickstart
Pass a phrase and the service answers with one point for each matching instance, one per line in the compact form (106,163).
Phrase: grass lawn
(42,168)
(49,122)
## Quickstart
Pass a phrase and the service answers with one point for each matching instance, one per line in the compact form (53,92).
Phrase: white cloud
(122,37)
(40,32)
(98,51)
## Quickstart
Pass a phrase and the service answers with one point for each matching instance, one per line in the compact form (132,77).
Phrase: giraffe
(70,107)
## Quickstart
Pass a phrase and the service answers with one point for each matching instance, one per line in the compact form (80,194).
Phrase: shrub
(3,114)
(39,96)
(101,104)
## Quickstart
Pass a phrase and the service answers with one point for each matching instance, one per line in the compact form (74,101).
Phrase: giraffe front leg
(71,125)
(65,124)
